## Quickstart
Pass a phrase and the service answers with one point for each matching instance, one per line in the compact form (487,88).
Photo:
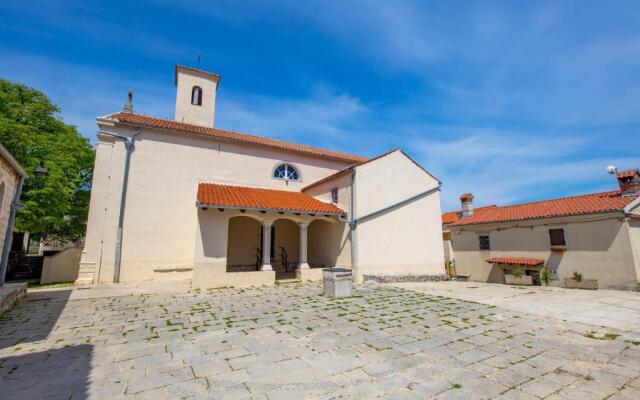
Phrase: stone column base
(86,274)
(309,274)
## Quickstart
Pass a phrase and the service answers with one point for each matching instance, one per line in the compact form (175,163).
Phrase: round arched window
(287,172)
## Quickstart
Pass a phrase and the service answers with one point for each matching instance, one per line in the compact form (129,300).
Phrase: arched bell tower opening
(196,96)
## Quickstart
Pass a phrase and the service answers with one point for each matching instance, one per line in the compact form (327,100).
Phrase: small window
(556,237)
(484,242)
(287,172)
(334,195)
(196,96)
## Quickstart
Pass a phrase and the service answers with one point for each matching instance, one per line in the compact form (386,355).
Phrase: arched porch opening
(244,244)
(323,244)
(285,254)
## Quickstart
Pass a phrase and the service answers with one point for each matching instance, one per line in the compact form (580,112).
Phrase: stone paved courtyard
(291,342)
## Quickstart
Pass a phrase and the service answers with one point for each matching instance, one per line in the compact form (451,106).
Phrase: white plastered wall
(406,240)
(634,237)
(161,217)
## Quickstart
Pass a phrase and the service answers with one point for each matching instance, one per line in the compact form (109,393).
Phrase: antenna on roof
(198,62)
(128,107)
(612,169)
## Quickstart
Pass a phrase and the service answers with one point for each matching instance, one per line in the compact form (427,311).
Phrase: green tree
(30,128)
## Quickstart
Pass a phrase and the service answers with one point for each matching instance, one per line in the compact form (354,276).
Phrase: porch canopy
(524,261)
(246,198)
(256,201)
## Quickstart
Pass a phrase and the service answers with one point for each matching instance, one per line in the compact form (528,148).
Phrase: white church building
(182,199)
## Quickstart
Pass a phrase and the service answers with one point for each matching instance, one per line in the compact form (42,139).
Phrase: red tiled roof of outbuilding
(453,216)
(215,133)
(526,261)
(226,196)
(593,203)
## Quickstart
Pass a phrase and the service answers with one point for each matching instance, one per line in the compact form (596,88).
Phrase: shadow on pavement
(33,318)
(53,374)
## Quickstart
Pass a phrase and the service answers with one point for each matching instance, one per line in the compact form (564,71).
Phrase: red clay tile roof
(628,173)
(576,205)
(526,261)
(160,123)
(452,216)
(225,196)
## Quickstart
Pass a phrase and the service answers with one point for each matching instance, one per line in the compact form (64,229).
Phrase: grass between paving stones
(606,336)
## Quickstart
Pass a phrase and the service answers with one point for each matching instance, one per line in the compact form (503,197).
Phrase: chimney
(467,205)
(128,107)
(195,96)
(629,181)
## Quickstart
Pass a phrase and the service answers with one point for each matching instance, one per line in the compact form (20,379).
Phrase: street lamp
(40,174)
(41,171)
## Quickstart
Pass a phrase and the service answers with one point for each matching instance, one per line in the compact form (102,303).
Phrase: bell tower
(195,96)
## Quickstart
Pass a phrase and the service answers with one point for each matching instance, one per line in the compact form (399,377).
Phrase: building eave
(12,161)
(267,209)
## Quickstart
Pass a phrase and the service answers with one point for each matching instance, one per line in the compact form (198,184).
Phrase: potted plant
(577,282)
(517,277)
(545,275)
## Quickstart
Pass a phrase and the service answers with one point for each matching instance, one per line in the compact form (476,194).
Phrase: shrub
(577,276)
(545,275)
(517,272)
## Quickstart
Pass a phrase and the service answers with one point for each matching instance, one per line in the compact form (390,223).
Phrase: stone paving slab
(291,342)
(607,308)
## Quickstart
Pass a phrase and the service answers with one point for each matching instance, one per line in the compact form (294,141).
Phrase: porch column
(266,246)
(303,246)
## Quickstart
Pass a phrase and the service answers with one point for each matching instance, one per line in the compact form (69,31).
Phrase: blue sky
(510,100)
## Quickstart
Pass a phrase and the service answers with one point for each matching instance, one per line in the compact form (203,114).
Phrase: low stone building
(595,235)
(11,178)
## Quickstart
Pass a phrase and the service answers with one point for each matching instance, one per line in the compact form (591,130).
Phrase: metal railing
(258,258)
(284,259)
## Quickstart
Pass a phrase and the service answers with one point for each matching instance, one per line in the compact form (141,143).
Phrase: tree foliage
(56,207)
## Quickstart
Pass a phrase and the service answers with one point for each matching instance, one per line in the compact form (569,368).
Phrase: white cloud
(323,117)
(502,168)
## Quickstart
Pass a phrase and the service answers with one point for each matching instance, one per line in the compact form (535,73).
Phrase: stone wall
(8,185)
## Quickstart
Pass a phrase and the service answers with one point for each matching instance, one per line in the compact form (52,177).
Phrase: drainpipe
(352,226)
(8,238)
(353,221)
(128,145)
